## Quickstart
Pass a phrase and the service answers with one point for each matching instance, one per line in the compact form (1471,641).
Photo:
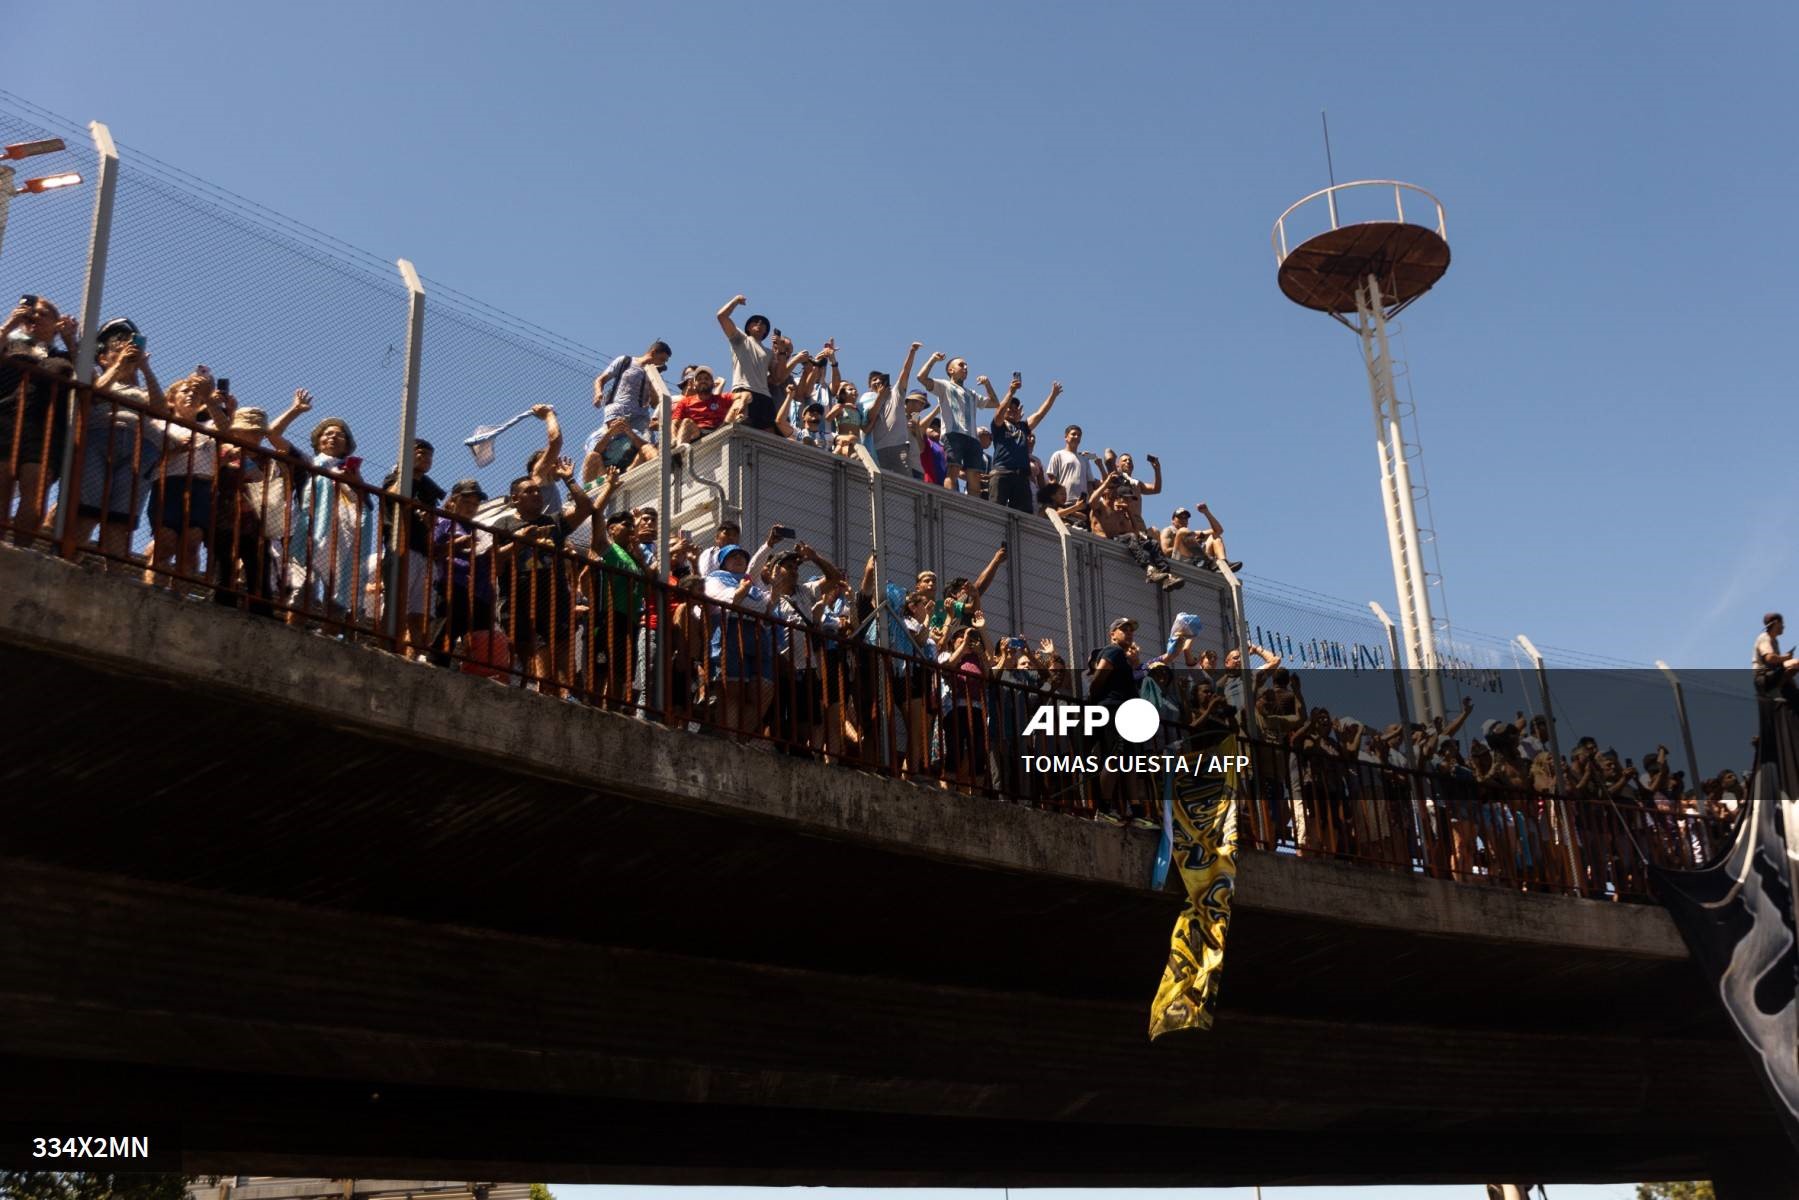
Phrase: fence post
(99,239)
(1405,712)
(1680,712)
(662,688)
(1555,752)
(877,544)
(1245,674)
(393,610)
(1074,670)
(1415,785)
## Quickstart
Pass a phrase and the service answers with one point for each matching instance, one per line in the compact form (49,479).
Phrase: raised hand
(565,469)
(302,400)
(542,411)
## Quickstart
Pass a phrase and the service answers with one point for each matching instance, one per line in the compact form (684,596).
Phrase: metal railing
(178,493)
(1279,236)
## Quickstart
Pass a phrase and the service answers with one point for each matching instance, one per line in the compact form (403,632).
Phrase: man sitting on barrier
(1112,516)
(1202,546)
(623,392)
(701,408)
(751,363)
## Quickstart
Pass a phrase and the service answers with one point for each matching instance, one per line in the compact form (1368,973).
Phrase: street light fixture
(49,183)
(43,183)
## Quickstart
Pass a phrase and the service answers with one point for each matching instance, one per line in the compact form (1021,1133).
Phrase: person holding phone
(32,422)
(1011,482)
(115,460)
(957,407)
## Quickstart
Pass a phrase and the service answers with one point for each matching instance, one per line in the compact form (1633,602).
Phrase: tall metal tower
(1371,270)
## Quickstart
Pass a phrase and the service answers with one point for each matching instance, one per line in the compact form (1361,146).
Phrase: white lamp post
(43,183)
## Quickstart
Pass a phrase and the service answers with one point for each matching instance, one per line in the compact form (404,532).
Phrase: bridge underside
(331,913)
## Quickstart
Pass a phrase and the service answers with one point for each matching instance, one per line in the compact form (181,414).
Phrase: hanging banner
(1737,914)
(1205,850)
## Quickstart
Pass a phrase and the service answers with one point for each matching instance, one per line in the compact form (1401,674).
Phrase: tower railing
(1330,194)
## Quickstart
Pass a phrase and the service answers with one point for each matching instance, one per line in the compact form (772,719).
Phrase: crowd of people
(767,640)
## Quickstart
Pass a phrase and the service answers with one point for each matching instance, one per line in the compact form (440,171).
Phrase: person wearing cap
(251,493)
(887,415)
(181,490)
(701,408)
(1772,665)
(33,418)
(753,403)
(1011,431)
(111,486)
(413,526)
(745,671)
(811,431)
(464,587)
(623,392)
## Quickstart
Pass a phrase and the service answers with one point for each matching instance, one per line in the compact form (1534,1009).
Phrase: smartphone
(223,385)
(1017,377)
(28,300)
(785,531)
(140,341)
(353,463)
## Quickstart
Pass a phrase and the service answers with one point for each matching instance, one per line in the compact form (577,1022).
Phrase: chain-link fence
(274,306)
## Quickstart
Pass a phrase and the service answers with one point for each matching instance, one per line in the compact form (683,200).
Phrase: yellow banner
(1205,850)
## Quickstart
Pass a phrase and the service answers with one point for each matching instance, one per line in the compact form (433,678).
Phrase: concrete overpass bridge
(329,912)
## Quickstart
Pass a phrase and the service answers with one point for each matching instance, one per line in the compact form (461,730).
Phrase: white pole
(1245,675)
(661,689)
(1399,690)
(877,545)
(1555,752)
(1410,749)
(1055,519)
(6,186)
(1686,729)
(1379,387)
(394,578)
(1407,510)
(99,238)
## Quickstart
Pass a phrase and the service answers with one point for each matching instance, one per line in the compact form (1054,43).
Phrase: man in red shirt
(700,409)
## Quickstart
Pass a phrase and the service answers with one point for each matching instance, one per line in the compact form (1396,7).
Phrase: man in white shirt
(750,361)
(884,415)
(957,408)
(1073,468)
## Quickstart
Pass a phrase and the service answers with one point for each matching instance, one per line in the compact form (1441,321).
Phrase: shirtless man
(1202,546)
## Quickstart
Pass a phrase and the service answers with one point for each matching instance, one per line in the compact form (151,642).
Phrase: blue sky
(1087,195)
